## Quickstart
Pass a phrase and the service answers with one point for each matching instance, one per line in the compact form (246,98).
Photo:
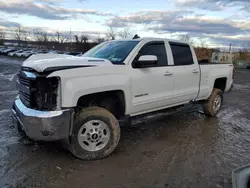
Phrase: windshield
(114,51)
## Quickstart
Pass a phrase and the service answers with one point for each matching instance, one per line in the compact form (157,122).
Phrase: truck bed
(208,71)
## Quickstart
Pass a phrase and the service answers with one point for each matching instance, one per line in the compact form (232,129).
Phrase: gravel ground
(181,150)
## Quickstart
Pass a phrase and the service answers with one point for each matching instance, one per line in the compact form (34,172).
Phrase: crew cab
(84,99)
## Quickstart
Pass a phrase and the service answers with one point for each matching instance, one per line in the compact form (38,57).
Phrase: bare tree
(60,37)
(203,43)
(100,40)
(81,39)
(243,53)
(126,33)
(245,47)
(186,38)
(111,33)
(17,34)
(2,36)
(84,38)
(41,37)
(25,37)
(77,40)
(20,35)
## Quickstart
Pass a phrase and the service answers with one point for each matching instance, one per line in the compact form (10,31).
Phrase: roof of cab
(151,38)
(170,40)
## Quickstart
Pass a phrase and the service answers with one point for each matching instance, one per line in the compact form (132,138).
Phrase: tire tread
(208,105)
(80,116)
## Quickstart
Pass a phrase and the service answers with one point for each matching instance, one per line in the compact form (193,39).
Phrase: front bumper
(42,125)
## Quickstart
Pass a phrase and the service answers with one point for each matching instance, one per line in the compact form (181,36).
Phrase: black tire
(88,114)
(208,105)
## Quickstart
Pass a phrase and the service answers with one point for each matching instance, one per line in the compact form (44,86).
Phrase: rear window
(182,54)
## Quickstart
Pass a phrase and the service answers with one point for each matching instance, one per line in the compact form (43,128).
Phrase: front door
(152,87)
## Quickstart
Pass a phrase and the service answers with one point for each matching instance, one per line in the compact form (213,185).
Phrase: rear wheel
(95,134)
(213,104)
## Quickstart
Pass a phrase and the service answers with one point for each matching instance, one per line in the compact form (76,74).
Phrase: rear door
(152,87)
(186,73)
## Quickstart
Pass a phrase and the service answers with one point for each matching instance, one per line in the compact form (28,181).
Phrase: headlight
(47,93)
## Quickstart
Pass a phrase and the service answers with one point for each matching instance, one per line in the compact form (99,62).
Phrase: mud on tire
(208,108)
(89,114)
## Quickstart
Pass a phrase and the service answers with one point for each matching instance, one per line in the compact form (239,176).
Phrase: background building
(222,57)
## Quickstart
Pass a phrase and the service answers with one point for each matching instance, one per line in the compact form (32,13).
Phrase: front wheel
(213,104)
(95,134)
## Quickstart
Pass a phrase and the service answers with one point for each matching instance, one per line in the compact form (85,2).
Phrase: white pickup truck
(83,99)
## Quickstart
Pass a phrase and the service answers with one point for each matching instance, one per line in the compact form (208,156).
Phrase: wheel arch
(220,83)
(96,99)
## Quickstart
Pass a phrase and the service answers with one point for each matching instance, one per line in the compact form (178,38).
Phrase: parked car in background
(13,52)
(2,49)
(19,54)
(5,52)
(53,52)
(25,52)
(248,66)
(28,53)
(41,51)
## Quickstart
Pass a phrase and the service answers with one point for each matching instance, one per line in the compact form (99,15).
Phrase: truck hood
(50,62)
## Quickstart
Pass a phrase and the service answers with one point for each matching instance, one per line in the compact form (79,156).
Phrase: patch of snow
(8,92)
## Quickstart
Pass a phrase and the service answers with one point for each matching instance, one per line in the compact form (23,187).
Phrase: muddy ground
(181,150)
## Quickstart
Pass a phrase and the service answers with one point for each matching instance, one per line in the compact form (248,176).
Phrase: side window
(155,48)
(182,54)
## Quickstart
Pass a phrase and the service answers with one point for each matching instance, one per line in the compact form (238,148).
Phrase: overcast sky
(218,21)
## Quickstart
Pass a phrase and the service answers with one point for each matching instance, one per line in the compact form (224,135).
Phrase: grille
(24,81)
(38,92)
(25,96)
(24,89)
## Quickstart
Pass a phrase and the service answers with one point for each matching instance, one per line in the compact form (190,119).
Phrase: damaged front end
(38,92)
(38,109)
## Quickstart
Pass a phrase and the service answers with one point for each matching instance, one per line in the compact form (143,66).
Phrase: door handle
(168,74)
(195,71)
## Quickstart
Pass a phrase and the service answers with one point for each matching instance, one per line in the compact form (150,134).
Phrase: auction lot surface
(181,150)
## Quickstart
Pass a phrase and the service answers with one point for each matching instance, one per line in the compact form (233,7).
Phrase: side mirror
(145,61)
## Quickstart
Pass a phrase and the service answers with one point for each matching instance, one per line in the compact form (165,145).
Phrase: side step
(152,116)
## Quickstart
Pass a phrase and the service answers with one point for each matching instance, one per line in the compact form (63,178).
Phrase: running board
(152,116)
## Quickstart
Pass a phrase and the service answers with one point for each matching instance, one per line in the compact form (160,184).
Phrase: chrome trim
(36,113)
(43,125)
